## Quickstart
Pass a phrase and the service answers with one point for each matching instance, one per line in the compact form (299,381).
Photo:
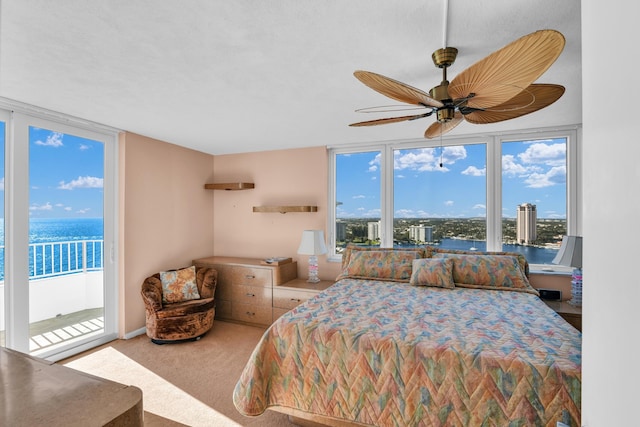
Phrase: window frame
(493,143)
(20,118)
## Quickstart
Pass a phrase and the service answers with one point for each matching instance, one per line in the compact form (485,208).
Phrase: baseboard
(135,333)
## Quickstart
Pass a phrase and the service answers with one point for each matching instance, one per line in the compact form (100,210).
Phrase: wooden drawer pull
(296,299)
(250,294)
(250,276)
(250,313)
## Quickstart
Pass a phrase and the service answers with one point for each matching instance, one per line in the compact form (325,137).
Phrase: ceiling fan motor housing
(444,57)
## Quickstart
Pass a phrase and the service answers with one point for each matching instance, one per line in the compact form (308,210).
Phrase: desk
(38,392)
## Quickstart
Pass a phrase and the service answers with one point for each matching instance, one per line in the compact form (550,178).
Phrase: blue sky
(533,172)
(65,175)
(66,179)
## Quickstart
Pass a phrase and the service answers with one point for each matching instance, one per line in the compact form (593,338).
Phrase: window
(514,192)
(440,196)
(534,194)
(357,199)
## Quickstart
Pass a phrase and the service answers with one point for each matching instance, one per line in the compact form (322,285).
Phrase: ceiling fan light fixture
(446,114)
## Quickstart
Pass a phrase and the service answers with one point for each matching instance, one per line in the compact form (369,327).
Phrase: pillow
(179,285)
(498,272)
(430,251)
(437,272)
(352,248)
(382,265)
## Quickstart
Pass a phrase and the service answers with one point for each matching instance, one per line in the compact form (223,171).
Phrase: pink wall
(285,177)
(166,215)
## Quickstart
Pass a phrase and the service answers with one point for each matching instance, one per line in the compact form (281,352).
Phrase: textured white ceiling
(250,75)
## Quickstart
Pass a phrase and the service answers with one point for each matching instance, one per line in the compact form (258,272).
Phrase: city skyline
(533,172)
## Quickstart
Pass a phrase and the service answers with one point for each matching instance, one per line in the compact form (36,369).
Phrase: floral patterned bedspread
(392,354)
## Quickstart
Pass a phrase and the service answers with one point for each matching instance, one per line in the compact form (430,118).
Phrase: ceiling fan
(497,88)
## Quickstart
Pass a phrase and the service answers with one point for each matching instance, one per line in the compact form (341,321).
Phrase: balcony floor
(60,329)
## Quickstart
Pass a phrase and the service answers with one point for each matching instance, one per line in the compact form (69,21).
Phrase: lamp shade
(312,243)
(570,253)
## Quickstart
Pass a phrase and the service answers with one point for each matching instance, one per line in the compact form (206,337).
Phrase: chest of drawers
(244,292)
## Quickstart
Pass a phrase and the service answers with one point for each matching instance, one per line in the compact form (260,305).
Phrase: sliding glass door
(60,271)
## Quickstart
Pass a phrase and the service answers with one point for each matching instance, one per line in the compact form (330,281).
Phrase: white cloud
(428,159)
(53,140)
(2,184)
(511,167)
(83,211)
(359,196)
(404,213)
(84,147)
(81,182)
(479,206)
(548,154)
(448,203)
(359,213)
(421,159)
(474,171)
(375,163)
(409,213)
(555,175)
(46,207)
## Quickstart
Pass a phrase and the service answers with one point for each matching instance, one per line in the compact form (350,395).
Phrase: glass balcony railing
(71,268)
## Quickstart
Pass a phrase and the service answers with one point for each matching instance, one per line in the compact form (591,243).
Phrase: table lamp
(312,244)
(570,254)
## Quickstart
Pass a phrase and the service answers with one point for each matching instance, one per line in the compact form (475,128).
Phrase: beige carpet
(189,383)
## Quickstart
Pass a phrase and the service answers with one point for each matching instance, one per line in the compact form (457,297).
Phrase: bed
(415,346)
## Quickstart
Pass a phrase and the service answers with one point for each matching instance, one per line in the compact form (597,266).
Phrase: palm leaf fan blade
(389,120)
(503,74)
(438,129)
(534,98)
(396,90)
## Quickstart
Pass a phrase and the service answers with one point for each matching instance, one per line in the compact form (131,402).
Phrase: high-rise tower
(526,223)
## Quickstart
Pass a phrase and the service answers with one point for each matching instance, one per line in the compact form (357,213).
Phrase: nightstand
(294,292)
(570,313)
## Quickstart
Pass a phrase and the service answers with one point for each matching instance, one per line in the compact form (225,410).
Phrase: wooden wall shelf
(285,209)
(230,186)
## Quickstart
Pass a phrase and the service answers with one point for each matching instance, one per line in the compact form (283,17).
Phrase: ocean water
(46,258)
(44,230)
(533,254)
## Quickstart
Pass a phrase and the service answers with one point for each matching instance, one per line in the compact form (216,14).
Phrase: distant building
(421,233)
(373,230)
(526,223)
(341,231)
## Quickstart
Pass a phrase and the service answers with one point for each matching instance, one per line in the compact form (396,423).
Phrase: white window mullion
(17,234)
(386,198)
(494,195)
(574,188)
(331,203)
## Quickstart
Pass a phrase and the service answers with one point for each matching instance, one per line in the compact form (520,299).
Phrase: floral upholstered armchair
(179,304)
